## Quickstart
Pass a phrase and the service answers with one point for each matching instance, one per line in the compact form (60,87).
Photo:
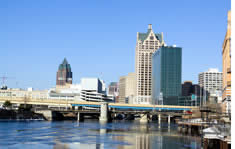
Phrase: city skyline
(34,44)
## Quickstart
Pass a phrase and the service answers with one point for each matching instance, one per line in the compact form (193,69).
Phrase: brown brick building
(64,74)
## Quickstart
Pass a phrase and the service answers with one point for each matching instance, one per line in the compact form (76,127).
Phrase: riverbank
(6,114)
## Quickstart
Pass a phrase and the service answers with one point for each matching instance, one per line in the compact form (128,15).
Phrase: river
(93,135)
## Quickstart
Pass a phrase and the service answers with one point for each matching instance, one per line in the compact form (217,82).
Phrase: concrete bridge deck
(74,103)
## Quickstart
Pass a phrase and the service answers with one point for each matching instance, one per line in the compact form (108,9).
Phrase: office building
(113,88)
(215,96)
(92,84)
(127,88)
(166,74)
(146,45)
(103,87)
(64,74)
(192,94)
(197,90)
(93,89)
(211,80)
(188,88)
(226,52)
(90,89)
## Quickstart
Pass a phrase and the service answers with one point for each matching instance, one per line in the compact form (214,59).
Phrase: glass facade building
(64,74)
(166,75)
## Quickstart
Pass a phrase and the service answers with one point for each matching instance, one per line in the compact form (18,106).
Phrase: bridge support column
(144,118)
(104,112)
(80,117)
(47,114)
(189,130)
(179,128)
(184,129)
(169,119)
(159,118)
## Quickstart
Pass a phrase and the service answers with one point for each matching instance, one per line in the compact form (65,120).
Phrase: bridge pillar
(159,118)
(144,118)
(47,114)
(189,130)
(184,129)
(104,112)
(80,117)
(169,119)
(179,128)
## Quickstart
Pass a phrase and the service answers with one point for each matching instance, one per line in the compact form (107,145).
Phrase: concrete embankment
(19,115)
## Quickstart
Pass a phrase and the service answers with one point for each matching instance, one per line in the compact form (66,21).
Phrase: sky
(98,38)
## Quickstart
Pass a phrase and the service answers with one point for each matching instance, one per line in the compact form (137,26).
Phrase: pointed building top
(65,61)
(143,36)
(65,65)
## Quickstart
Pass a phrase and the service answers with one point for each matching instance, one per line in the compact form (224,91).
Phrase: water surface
(92,135)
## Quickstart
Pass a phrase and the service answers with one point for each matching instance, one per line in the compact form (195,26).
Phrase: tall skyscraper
(146,45)
(227,67)
(211,80)
(166,74)
(64,74)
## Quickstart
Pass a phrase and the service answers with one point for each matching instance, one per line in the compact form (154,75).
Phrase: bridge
(105,109)
(74,103)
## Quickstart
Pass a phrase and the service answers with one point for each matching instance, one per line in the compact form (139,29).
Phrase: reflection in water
(142,141)
(78,146)
(93,135)
(59,145)
(160,137)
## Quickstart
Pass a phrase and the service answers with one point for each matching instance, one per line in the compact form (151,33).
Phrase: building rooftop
(166,48)
(213,70)
(113,83)
(65,65)
(143,36)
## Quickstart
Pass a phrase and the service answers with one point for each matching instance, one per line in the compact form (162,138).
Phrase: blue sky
(98,37)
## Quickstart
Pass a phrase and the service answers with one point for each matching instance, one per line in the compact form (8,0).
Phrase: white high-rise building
(211,80)
(146,45)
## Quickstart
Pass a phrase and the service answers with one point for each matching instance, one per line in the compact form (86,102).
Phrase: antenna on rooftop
(4,78)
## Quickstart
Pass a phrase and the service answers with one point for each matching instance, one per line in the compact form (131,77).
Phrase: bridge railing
(70,103)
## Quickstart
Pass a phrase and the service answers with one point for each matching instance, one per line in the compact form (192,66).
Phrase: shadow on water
(92,134)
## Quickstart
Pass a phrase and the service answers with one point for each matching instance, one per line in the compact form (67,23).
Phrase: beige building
(27,94)
(127,88)
(226,52)
(146,45)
